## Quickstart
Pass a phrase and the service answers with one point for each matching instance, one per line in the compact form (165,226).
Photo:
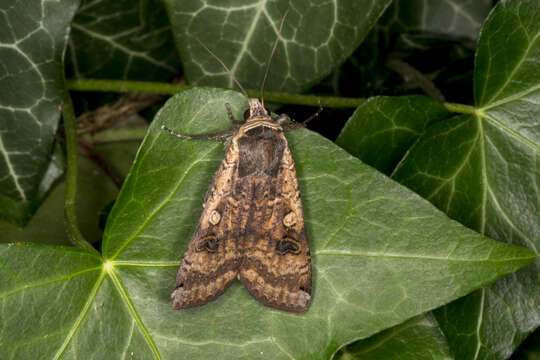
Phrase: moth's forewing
(276,265)
(211,261)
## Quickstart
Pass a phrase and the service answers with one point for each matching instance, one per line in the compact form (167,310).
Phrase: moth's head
(256,110)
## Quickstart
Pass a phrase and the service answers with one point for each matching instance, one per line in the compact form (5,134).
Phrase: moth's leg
(229,113)
(211,136)
(305,122)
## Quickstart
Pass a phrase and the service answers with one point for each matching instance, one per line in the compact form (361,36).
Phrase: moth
(252,224)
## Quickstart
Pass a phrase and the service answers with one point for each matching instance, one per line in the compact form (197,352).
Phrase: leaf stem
(117,134)
(71,177)
(460,108)
(171,89)
(277,97)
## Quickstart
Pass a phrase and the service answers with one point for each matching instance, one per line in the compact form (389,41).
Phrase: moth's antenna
(271,55)
(224,66)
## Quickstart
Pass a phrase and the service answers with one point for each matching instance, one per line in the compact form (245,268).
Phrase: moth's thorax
(258,116)
(256,110)
(260,121)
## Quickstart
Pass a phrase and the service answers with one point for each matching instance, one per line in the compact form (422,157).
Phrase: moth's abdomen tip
(302,302)
(176,297)
(300,305)
(179,304)
(180,299)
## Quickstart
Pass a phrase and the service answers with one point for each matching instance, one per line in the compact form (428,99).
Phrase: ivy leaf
(419,338)
(316,38)
(456,18)
(483,170)
(412,31)
(122,39)
(381,254)
(95,191)
(383,128)
(32,41)
(379,133)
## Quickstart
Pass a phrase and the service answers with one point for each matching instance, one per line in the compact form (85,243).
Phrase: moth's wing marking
(211,261)
(276,263)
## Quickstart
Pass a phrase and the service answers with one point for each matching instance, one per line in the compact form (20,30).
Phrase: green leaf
(382,129)
(96,190)
(529,349)
(122,39)
(436,38)
(15,214)
(47,295)
(507,76)
(32,41)
(483,170)
(456,18)
(380,253)
(419,338)
(316,38)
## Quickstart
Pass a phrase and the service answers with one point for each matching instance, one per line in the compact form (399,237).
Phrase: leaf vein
(516,68)
(81,316)
(337,252)
(122,291)
(48,282)
(165,202)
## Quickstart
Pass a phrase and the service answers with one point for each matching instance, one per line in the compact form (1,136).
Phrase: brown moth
(252,224)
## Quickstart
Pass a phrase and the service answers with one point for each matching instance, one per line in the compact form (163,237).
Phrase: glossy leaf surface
(419,338)
(33,37)
(122,39)
(483,170)
(383,128)
(317,37)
